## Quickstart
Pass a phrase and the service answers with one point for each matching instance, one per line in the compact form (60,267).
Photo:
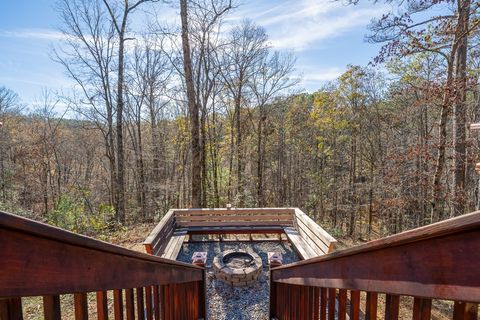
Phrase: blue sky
(325,36)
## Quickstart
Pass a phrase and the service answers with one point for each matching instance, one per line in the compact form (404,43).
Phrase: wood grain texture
(11,309)
(465,311)
(118,304)
(371,306)
(81,306)
(392,306)
(102,305)
(342,304)
(38,267)
(236,217)
(40,230)
(181,301)
(212,211)
(422,309)
(303,249)
(319,232)
(236,230)
(156,302)
(140,303)
(130,304)
(148,303)
(323,303)
(51,308)
(458,225)
(438,265)
(354,305)
(332,299)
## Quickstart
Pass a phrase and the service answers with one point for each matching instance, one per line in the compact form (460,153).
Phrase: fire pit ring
(237,268)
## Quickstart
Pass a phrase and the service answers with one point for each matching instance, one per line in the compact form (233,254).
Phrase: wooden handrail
(38,259)
(459,224)
(439,261)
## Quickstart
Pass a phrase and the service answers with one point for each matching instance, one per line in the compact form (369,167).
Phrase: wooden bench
(235,218)
(174,244)
(300,246)
(159,238)
(308,238)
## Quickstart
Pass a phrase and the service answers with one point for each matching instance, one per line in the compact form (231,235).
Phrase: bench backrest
(158,239)
(234,217)
(316,237)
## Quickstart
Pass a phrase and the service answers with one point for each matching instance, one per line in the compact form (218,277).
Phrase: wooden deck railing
(40,260)
(440,261)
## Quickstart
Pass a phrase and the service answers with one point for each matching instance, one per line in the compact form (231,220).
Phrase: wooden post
(81,306)
(392,305)
(422,309)
(118,304)
(465,311)
(354,305)
(51,308)
(102,305)
(202,296)
(371,306)
(273,297)
(11,309)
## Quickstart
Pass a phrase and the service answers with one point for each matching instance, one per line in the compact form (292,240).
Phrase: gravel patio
(237,303)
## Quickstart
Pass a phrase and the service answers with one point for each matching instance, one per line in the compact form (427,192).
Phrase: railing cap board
(470,221)
(25,225)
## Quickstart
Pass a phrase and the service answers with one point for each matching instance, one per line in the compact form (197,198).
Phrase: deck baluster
(51,307)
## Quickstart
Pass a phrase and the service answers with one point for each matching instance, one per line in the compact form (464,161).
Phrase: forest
(207,113)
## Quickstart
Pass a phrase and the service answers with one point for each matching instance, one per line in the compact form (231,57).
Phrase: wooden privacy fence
(40,260)
(440,261)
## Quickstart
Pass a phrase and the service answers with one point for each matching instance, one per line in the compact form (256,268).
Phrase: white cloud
(300,24)
(36,34)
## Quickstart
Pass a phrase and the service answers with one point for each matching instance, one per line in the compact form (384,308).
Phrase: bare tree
(95,34)
(119,19)
(9,106)
(193,109)
(273,75)
(88,56)
(247,48)
(205,21)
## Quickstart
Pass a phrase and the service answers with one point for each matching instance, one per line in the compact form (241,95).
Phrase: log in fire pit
(237,268)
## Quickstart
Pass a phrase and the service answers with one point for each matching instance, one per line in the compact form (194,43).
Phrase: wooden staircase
(440,261)
(41,260)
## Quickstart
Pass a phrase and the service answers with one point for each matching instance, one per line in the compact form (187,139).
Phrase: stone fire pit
(238,268)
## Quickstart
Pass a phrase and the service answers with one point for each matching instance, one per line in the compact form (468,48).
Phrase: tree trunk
(437,201)
(260,152)
(459,131)
(203,158)
(120,153)
(196,182)
(238,125)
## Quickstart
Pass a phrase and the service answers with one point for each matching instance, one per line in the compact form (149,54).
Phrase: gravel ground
(233,303)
